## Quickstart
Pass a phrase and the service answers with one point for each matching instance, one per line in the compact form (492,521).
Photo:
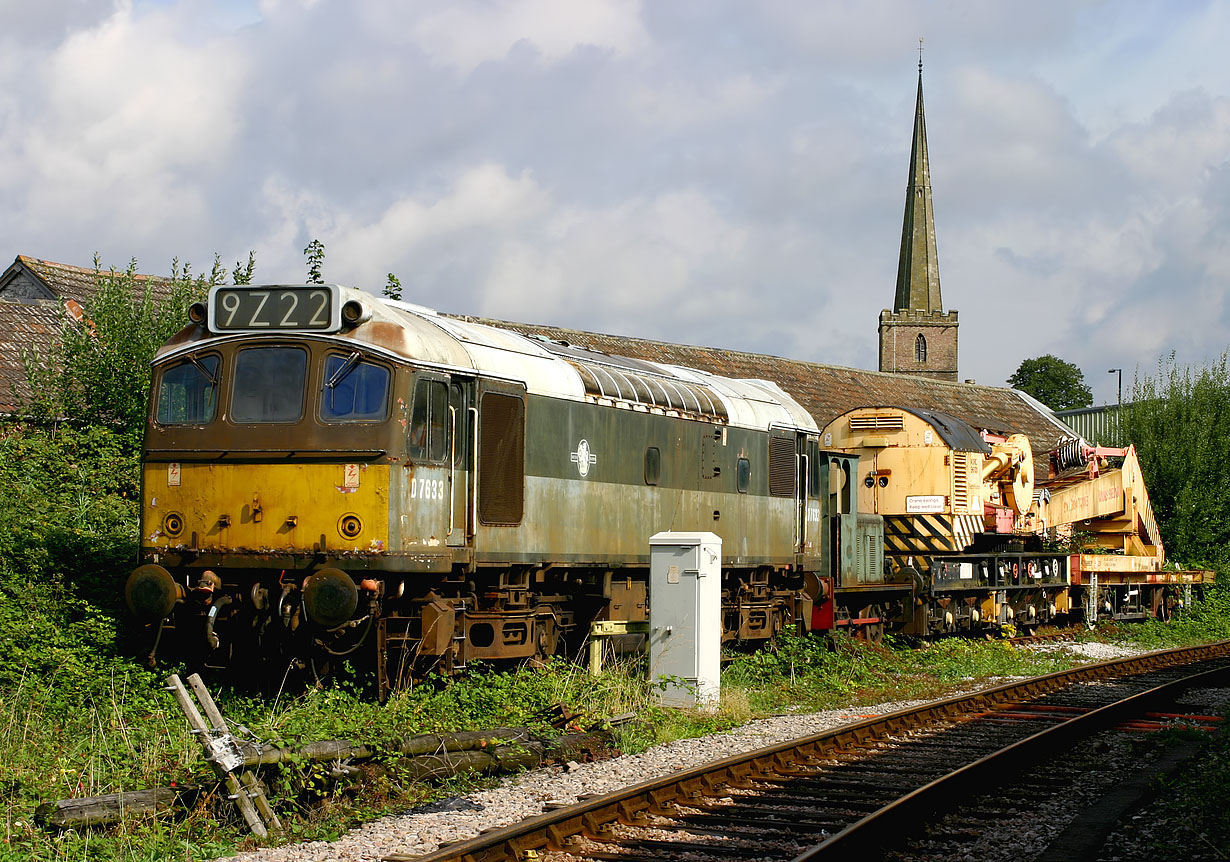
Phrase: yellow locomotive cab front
(266,510)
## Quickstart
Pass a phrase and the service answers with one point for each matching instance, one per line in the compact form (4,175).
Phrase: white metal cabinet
(685,617)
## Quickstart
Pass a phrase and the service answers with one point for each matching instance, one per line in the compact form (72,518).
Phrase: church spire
(918,269)
(918,336)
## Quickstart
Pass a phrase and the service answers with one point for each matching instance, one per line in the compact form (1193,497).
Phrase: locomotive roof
(956,433)
(757,390)
(546,366)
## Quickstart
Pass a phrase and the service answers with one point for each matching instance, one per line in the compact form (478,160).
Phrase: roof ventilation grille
(877,422)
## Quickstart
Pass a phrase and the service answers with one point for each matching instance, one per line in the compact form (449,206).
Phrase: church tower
(917,336)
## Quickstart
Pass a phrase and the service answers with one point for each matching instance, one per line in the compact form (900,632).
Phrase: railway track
(860,788)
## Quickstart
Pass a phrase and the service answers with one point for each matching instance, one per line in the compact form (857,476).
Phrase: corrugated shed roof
(827,391)
(23,326)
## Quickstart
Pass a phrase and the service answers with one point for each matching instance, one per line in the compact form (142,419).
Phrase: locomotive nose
(151,593)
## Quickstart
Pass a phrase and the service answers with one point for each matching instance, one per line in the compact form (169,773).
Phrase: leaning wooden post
(254,788)
(221,752)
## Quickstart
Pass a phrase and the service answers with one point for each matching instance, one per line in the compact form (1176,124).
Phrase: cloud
(130,122)
(463,35)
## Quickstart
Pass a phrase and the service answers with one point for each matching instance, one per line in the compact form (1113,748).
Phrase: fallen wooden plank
(264,754)
(101,810)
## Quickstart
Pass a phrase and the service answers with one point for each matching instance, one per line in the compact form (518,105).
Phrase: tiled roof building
(30,280)
(23,326)
(33,294)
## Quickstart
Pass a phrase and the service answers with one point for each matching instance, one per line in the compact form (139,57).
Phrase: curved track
(805,798)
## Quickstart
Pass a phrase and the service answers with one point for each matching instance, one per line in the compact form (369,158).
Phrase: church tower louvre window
(917,318)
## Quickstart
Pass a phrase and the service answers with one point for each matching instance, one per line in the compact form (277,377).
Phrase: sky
(729,174)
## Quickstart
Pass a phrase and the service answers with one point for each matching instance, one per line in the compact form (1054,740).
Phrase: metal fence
(1098,425)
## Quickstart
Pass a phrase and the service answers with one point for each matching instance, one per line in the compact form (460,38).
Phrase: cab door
(463,421)
(809,479)
(429,446)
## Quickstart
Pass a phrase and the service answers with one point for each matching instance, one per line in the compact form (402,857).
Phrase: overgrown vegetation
(80,717)
(1179,421)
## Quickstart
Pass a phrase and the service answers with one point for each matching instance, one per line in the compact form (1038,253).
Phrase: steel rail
(871,836)
(551,830)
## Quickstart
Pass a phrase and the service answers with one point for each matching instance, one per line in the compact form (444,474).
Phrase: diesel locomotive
(330,476)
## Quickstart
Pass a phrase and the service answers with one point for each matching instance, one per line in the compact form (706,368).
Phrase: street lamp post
(1119,408)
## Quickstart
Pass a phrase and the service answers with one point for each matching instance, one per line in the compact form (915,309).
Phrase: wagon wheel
(872,632)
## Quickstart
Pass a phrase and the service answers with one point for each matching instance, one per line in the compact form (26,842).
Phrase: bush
(1179,422)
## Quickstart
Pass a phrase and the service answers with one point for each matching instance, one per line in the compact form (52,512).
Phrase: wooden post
(502,749)
(223,753)
(101,810)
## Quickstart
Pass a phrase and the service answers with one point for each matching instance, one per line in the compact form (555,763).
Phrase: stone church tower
(917,336)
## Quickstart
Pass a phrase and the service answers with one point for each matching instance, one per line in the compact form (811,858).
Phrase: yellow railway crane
(1103,513)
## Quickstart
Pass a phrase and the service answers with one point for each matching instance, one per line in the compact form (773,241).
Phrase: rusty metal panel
(629,601)
(439,622)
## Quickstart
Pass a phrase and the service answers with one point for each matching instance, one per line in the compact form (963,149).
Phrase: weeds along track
(853,789)
(1059,635)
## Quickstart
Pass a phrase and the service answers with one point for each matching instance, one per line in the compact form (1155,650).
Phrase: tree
(1179,422)
(1057,384)
(315,254)
(98,373)
(242,273)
